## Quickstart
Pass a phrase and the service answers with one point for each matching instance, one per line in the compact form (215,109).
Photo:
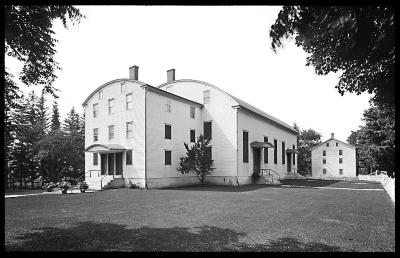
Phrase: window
(207,130)
(167,131)
(111,106)
(167,157)
(283,152)
(245,147)
(123,87)
(100,94)
(340,160)
(192,136)
(206,96)
(209,152)
(324,153)
(95,134)
(327,144)
(265,151)
(340,171)
(324,161)
(340,152)
(95,159)
(324,171)
(275,151)
(110,132)
(128,157)
(294,155)
(129,101)
(129,129)
(192,111)
(167,107)
(337,144)
(95,110)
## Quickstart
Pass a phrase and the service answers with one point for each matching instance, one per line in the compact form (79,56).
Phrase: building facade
(135,132)
(333,159)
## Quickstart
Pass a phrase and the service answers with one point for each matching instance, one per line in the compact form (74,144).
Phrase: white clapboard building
(135,133)
(333,159)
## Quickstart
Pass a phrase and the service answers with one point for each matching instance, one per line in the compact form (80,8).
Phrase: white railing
(387,183)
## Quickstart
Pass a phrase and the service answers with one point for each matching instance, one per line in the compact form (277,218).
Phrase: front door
(256,160)
(289,162)
(111,158)
(118,163)
(103,163)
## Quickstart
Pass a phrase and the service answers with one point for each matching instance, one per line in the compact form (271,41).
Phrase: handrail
(101,181)
(79,178)
(268,170)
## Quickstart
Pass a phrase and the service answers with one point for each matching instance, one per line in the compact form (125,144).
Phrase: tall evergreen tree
(55,118)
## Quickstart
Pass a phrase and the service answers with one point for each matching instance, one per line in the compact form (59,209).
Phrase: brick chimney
(332,135)
(134,72)
(171,75)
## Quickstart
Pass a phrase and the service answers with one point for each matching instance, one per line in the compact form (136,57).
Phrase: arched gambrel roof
(240,103)
(108,83)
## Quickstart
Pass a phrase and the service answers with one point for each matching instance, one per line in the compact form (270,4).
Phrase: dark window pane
(275,151)
(283,152)
(207,130)
(167,132)
(323,153)
(192,136)
(129,157)
(294,155)
(245,147)
(167,157)
(340,152)
(95,159)
(265,151)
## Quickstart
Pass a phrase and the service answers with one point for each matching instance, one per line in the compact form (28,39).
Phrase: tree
(197,160)
(375,141)
(29,39)
(307,140)
(55,118)
(359,41)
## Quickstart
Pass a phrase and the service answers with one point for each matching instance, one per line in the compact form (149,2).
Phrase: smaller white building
(333,159)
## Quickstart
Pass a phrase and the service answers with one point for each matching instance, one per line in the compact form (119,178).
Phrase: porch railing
(113,176)
(270,172)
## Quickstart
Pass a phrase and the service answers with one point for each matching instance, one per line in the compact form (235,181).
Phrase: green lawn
(209,218)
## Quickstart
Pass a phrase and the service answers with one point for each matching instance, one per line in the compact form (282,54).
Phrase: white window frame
(95,110)
(129,133)
(111,132)
(129,104)
(111,108)
(193,114)
(95,135)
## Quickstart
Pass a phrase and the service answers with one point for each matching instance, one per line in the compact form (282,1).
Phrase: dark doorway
(256,160)
(103,168)
(111,157)
(118,163)
(289,163)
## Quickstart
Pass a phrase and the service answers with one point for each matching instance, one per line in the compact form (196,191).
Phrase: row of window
(111,129)
(128,158)
(246,150)
(129,101)
(324,152)
(327,144)
(340,161)
(340,171)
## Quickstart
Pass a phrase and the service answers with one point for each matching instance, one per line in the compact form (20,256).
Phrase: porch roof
(104,148)
(257,144)
(292,151)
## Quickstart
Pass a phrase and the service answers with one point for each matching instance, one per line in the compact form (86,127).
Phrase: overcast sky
(228,47)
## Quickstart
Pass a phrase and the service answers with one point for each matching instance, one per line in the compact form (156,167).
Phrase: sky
(227,46)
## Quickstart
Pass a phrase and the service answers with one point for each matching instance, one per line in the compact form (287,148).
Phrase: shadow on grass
(90,236)
(308,182)
(217,188)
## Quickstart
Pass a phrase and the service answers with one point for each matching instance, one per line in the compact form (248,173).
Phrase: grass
(203,218)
